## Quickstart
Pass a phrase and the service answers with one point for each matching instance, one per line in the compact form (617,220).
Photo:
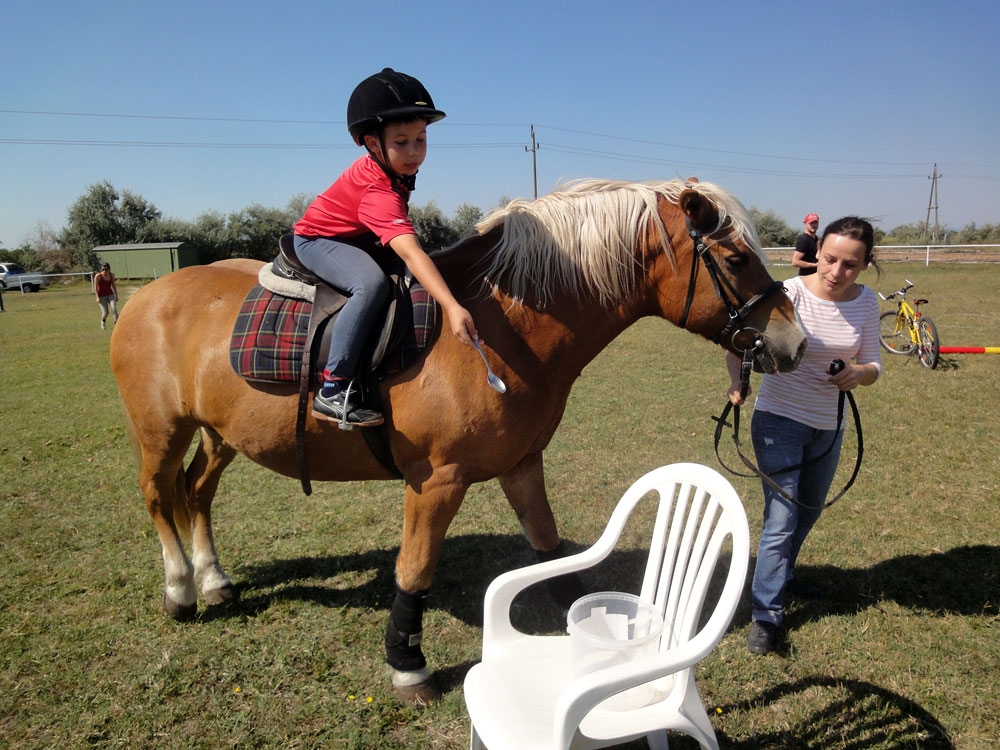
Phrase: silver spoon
(495,382)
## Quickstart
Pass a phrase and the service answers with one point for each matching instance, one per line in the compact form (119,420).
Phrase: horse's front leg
(202,477)
(524,487)
(429,508)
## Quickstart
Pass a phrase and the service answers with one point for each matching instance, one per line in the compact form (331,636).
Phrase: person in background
(794,427)
(804,257)
(106,291)
(365,210)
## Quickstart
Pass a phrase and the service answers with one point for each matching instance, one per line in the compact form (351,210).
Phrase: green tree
(971,234)
(905,234)
(432,228)
(102,216)
(465,218)
(53,256)
(211,234)
(254,231)
(298,205)
(772,229)
(24,255)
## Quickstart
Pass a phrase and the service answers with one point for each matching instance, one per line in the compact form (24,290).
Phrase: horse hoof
(223,595)
(418,696)
(415,688)
(179,612)
(566,589)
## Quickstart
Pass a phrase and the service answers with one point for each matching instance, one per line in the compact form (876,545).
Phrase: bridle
(738,309)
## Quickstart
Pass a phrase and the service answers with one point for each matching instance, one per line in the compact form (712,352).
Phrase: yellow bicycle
(907,330)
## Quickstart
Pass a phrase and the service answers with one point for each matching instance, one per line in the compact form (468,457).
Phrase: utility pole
(932,203)
(534,161)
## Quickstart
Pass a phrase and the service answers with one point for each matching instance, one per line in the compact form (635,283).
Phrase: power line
(533,149)
(168,117)
(721,167)
(451,123)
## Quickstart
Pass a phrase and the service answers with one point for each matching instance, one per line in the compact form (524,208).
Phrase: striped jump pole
(970,349)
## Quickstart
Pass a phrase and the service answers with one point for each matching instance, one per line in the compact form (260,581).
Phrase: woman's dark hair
(857,228)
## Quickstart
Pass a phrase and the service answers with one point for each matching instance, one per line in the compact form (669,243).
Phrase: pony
(550,283)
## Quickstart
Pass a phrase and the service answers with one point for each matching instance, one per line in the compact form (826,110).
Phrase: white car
(13,276)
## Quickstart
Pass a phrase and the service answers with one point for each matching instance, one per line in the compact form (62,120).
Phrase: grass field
(902,653)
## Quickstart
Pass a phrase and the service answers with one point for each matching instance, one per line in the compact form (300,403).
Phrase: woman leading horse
(550,282)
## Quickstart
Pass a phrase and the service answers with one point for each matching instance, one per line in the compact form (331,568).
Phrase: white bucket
(611,628)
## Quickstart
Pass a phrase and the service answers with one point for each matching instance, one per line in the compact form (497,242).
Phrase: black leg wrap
(404,631)
(565,589)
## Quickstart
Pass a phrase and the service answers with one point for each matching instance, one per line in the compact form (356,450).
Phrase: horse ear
(699,210)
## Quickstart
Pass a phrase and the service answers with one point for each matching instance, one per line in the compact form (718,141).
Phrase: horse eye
(735,262)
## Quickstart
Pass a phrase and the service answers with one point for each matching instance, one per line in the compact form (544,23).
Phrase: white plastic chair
(523,694)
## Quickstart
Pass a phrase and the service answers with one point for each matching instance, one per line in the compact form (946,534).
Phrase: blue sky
(842,107)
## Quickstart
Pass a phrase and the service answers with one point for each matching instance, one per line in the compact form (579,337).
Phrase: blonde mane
(584,236)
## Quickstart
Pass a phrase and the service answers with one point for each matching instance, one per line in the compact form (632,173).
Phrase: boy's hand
(463,326)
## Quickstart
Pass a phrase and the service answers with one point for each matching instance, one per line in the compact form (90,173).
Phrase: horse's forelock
(741,227)
(584,237)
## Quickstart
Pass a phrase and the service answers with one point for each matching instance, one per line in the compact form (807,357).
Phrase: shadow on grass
(961,581)
(367,579)
(856,714)
(849,713)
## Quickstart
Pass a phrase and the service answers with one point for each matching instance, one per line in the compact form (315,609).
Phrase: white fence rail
(926,253)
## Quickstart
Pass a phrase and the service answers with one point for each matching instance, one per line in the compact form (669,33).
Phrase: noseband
(738,309)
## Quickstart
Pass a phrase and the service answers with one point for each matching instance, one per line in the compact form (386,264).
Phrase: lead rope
(745,369)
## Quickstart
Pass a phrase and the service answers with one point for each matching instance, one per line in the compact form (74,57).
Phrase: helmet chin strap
(407,182)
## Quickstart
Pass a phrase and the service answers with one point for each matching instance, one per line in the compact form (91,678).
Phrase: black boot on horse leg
(567,588)
(411,679)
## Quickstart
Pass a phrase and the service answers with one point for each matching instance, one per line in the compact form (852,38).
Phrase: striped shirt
(835,330)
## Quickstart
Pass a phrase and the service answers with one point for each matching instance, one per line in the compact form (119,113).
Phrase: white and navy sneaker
(332,409)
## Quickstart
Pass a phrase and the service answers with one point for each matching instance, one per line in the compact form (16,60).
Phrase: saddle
(279,336)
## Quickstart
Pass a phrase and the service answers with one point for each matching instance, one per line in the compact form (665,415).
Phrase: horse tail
(132,437)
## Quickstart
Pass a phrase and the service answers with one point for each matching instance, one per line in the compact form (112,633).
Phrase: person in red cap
(804,257)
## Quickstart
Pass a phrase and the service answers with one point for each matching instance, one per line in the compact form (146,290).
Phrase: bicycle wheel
(894,334)
(930,344)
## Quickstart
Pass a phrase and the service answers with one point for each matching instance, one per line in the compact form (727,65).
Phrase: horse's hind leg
(524,487)
(162,481)
(211,458)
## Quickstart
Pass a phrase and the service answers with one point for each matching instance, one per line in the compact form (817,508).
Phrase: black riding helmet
(388,95)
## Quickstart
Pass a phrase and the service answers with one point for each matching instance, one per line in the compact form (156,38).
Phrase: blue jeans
(779,443)
(355,273)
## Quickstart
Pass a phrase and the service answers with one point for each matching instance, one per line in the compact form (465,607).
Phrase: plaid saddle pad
(270,333)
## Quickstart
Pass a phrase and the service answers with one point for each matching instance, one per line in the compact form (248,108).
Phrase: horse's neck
(567,331)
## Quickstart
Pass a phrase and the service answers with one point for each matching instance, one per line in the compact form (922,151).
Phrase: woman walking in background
(106,292)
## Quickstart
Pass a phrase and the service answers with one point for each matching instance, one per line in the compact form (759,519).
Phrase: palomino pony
(550,283)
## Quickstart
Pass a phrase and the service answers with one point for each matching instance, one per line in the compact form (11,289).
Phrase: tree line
(103,215)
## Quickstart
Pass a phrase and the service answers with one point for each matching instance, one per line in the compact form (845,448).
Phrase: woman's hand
(735,393)
(854,375)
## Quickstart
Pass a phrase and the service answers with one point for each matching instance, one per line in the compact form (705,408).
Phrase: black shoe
(803,590)
(762,637)
(332,408)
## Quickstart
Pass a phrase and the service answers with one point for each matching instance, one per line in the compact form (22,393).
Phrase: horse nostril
(800,352)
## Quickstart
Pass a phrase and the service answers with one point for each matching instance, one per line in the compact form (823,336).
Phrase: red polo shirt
(362,200)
